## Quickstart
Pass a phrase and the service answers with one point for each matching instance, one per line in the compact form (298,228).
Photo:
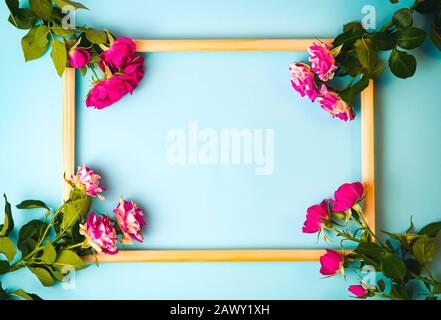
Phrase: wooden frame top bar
(213,45)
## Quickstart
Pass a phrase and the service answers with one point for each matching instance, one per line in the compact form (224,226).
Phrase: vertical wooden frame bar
(68,127)
(367,150)
(368,153)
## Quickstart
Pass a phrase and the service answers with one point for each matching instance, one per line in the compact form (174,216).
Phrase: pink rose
(358,290)
(89,181)
(302,80)
(79,57)
(331,102)
(107,92)
(130,218)
(321,60)
(100,234)
(348,195)
(133,73)
(119,54)
(315,217)
(331,263)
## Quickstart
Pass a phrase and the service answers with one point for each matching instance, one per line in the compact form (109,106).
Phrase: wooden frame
(367,150)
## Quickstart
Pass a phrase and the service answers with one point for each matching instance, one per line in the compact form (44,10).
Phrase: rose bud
(331,263)
(130,219)
(336,107)
(119,54)
(86,179)
(107,92)
(321,60)
(79,57)
(315,217)
(100,234)
(302,80)
(347,196)
(358,290)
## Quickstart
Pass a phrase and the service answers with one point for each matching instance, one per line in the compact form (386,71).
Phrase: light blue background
(219,206)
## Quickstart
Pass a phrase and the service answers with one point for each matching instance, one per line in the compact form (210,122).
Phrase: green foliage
(7,247)
(35,42)
(59,56)
(402,64)
(8,224)
(43,20)
(32,204)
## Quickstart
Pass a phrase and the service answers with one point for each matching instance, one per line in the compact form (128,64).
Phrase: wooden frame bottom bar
(262,255)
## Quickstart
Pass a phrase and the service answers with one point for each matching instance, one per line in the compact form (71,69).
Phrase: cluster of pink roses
(318,218)
(99,231)
(322,66)
(123,72)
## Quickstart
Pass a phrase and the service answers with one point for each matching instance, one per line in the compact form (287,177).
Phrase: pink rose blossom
(133,73)
(331,263)
(107,92)
(358,290)
(321,60)
(348,195)
(88,180)
(302,80)
(130,218)
(100,234)
(79,57)
(331,102)
(119,54)
(315,216)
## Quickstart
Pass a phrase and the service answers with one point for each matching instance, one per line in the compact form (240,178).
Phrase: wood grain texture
(210,255)
(68,127)
(225,45)
(368,153)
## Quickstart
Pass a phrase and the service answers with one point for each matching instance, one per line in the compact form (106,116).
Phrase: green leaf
(437,288)
(4,267)
(402,64)
(353,26)
(8,225)
(431,230)
(424,250)
(43,275)
(64,3)
(370,250)
(403,18)
(3,293)
(384,40)
(393,267)
(69,258)
(32,204)
(35,42)
(366,53)
(29,235)
(96,36)
(60,31)
(20,18)
(435,35)
(410,38)
(49,254)
(381,285)
(350,93)
(20,293)
(75,211)
(59,56)
(347,38)
(426,6)
(378,69)
(42,8)
(7,247)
